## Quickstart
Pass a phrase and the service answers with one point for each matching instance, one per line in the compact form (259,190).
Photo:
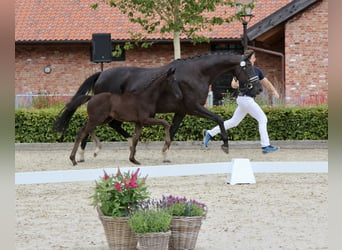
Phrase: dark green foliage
(284,123)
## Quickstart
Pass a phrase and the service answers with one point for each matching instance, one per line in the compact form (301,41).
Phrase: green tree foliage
(177,17)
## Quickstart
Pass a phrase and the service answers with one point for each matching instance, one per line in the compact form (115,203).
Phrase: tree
(176,17)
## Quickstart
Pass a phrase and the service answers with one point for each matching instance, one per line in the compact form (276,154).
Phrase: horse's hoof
(166,161)
(74,163)
(134,161)
(82,160)
(225,149)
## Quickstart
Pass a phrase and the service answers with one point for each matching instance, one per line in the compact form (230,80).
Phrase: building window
(235,48)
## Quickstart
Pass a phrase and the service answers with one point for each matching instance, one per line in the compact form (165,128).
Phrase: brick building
(290,37)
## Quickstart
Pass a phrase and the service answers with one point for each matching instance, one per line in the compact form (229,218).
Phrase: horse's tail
(78,101)
(64,117)
(88,85)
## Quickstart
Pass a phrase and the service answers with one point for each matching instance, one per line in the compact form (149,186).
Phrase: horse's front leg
(154,121)
(205,113)
(176,121)
(135,140)
(167,141)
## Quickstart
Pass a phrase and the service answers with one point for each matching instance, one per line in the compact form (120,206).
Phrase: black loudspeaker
(101,48)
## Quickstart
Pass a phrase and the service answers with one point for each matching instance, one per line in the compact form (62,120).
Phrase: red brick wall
(306,48)
(271,67)
(71,64)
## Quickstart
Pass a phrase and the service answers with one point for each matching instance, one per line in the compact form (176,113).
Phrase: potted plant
(115,197)
(187,216)
(151,225)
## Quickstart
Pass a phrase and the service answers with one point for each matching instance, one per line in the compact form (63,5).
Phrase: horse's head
(248,79)
(174,84)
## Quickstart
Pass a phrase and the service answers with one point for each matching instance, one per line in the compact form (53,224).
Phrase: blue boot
(269,149)
(206,137)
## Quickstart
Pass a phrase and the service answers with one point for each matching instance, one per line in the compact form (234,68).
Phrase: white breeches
(246,105)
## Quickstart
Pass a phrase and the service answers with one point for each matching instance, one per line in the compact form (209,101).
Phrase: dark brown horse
(139,108)
(194,75)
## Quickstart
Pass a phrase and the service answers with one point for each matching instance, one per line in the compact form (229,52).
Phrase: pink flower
(132,183)
(118,173)
(126,182)
(106,176)
(135,175)
(118,186)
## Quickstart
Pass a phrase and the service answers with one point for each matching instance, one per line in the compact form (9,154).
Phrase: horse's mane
(220,53)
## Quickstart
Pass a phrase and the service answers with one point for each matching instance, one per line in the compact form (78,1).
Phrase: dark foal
(139,107)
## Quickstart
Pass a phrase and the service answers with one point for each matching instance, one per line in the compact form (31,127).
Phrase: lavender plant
(182,206)
(150,217)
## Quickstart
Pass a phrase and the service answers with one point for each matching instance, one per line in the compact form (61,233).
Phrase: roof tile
(75,20)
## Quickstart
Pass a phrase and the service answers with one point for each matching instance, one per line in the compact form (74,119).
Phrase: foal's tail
(64,117)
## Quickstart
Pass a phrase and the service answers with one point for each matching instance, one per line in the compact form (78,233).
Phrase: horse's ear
(248,53)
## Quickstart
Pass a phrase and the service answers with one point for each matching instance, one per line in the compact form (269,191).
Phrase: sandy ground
(280,211)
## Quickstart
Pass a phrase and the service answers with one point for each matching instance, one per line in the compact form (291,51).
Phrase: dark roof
(278,17)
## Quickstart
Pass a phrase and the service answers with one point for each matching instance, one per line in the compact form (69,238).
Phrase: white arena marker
(241,173)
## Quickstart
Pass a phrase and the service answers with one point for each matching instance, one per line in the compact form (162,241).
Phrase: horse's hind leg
(79,138)
(116,125)
(97,142)
(82,149)
(200,111)
(135,140)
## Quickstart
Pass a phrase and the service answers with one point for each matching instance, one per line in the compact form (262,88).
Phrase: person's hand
(235,83)
(275,93)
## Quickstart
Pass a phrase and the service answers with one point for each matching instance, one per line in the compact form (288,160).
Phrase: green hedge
(284,123)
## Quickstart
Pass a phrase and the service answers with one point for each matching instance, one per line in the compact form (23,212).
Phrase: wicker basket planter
(153,241)
(184,232)
(118,233)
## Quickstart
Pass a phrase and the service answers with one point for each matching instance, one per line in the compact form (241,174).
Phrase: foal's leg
(135,140)
(83,133)
(97,142)
(166,125)
(82,149)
